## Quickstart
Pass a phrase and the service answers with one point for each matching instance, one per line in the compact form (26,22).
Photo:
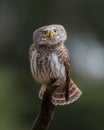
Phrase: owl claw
(51,87)
(57,82)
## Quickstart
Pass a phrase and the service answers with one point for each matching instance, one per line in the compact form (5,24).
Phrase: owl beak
(50,34)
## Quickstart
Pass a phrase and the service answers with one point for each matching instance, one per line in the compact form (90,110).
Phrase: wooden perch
(46,112)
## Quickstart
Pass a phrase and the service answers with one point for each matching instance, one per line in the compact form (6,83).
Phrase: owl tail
(58,96)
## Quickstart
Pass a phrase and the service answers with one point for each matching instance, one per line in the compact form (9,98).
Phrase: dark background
(84,22)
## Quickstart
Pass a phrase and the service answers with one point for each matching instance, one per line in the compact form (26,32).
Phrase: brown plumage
(50,62)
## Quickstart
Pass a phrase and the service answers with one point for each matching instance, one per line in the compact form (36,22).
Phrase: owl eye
(55,30)
(45,32)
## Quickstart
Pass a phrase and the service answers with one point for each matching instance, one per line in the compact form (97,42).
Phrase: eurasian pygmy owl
(50,64)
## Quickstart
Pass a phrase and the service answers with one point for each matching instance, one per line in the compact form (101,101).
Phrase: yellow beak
(50,34)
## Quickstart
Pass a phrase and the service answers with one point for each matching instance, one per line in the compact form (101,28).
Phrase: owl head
(49,35)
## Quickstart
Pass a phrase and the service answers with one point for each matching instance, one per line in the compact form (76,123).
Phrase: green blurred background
(84,22)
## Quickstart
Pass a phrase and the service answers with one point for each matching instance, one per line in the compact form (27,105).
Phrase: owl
(50,64)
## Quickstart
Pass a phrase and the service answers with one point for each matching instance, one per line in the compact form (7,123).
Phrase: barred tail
(58,96)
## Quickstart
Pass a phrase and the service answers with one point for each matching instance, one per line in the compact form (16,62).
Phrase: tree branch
(46,112)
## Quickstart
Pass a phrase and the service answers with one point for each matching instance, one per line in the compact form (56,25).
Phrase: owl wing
(67,68)
(63,55)
(70,91)
(31,49)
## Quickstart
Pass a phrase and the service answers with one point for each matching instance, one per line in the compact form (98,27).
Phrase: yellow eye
(55,30)
(45,32)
